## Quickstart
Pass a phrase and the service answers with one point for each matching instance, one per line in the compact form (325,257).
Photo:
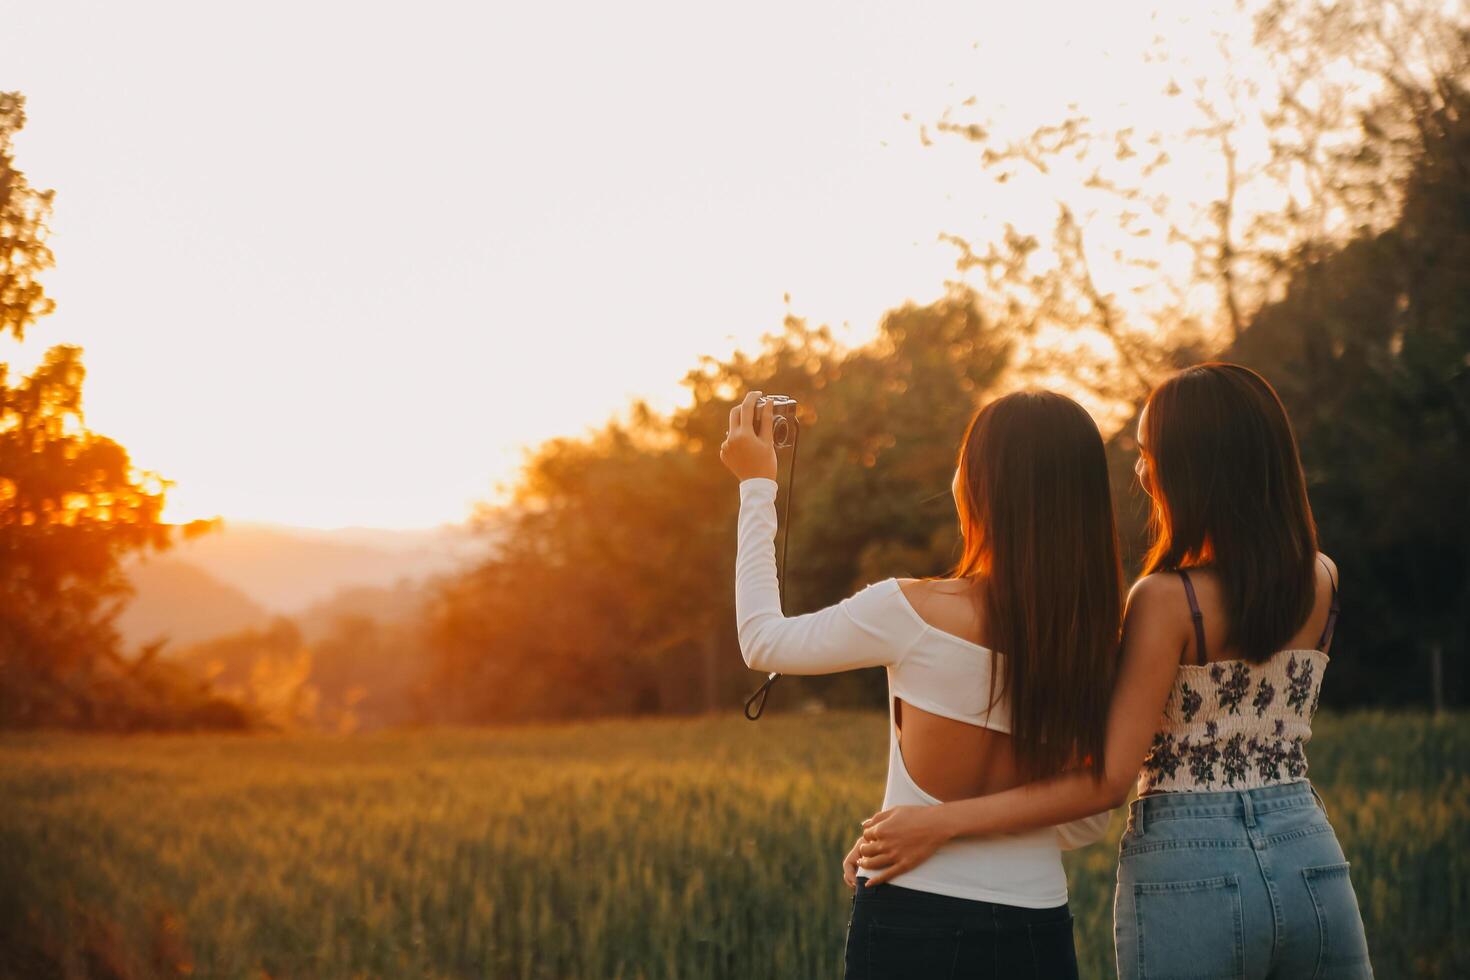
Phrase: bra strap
(1196,615)
(1331,624)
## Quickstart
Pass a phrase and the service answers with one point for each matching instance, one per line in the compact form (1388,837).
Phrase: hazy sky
(335,263)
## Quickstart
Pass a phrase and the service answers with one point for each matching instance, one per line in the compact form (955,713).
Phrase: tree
(23,213)
(1370,350)
(71,505)
(1168,239)
(610,589)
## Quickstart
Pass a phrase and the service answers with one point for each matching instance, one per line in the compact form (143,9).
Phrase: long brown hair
(1037,515)
(1229,492)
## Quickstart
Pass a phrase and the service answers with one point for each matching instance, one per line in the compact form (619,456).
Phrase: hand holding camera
(759,425)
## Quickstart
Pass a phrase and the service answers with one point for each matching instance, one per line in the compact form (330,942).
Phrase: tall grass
(694,848)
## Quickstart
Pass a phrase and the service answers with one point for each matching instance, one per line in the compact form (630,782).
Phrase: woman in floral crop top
(1229,866)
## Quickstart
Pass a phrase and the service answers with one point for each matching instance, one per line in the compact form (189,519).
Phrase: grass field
(694,848)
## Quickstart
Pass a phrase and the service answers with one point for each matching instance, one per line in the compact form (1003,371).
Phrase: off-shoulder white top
(928,668)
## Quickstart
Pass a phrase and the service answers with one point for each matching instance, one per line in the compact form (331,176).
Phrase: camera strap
(756,703)
(760,693)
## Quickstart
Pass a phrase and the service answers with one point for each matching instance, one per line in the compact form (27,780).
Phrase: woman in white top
(997,675)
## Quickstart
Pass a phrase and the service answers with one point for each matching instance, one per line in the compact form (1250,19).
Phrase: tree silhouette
(23,214)
(71,505)
(1276,167)
(1370,350)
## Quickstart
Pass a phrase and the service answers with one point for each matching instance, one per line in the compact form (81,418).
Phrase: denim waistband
(1246,804)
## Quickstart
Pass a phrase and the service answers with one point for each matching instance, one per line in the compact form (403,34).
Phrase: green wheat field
(708,847)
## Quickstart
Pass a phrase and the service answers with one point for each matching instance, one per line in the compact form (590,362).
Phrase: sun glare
(356,297)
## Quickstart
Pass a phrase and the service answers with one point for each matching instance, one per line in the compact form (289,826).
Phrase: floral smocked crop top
(1233,724)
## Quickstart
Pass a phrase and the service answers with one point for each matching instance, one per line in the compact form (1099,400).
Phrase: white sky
(335,263)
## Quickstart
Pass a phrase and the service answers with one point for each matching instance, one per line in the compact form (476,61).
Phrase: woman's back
(949,758)
(949,737)
(1216,622)
(1230,722)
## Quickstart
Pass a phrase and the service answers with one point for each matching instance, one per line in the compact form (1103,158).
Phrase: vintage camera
(784,422)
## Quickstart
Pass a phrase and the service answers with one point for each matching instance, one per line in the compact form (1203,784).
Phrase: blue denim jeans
(1231,884)
(897,933)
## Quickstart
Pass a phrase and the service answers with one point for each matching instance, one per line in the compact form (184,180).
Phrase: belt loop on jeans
(1250,813)
(1318,797)
(1135,817)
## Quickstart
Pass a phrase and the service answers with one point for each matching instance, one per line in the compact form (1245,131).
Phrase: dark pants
(900,932)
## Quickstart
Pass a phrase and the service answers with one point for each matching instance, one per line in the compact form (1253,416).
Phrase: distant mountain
(184,603)
(287,569)
(386,605)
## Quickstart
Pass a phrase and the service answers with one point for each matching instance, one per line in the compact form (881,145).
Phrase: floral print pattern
(1207,741)
(1202,758)
(1273,757)
(1265,694)
(1299,690)
(1163,755)
(1190,701)
(1232,688)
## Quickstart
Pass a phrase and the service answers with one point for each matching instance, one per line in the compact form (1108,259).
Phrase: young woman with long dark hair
(1229,866)
(997,674)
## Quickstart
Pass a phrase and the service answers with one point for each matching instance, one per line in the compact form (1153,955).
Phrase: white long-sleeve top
(929,669)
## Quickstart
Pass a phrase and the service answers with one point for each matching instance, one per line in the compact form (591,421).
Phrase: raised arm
(867,629)
(1154,633)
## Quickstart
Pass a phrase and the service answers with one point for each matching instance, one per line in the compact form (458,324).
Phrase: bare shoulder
(1158,602)
(945,603)
(1157,592)
(920,592)
(937,587)
(1331,567)
(914,591)
(1156,619)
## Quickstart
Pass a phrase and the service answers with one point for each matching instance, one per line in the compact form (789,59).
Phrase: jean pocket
(1189,930)
(917,952)
(1342,947)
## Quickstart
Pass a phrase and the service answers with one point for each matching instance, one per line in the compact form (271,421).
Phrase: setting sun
(335,266)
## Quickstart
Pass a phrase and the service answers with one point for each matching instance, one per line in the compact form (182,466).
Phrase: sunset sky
(336,263)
